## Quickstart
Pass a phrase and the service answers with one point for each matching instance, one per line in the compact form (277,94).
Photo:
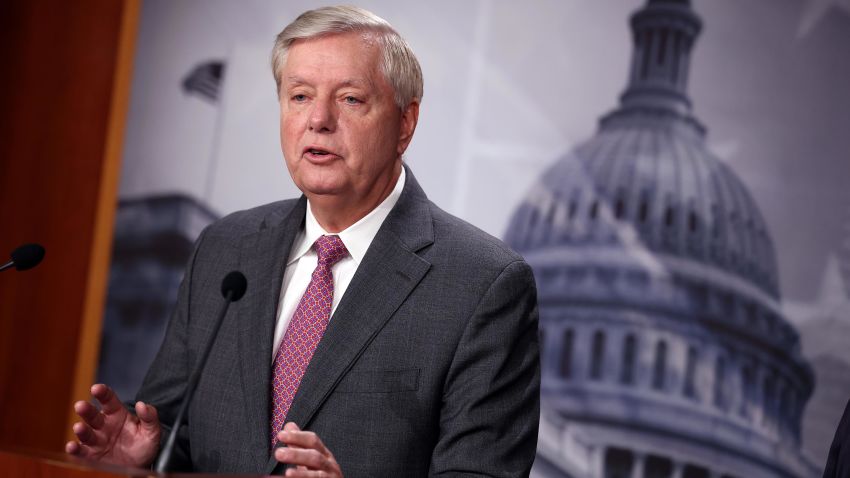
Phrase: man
(402,342)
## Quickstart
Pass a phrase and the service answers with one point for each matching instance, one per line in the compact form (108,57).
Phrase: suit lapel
(390,271)
(263,257)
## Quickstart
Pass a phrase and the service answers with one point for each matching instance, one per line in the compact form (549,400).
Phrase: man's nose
(323,117)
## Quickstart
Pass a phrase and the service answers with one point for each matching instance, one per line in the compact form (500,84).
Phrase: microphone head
(27,256)
(234,283)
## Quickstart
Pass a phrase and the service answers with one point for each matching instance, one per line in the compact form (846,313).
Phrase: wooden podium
(38,464)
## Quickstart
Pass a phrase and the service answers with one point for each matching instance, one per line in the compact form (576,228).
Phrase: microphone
(25,257)
(232,288)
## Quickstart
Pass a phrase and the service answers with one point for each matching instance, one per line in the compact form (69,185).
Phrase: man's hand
(113,434)
(307,452)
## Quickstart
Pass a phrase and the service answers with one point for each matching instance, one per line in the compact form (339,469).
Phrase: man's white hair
(398,63)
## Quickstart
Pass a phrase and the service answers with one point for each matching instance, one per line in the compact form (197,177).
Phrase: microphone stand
(230,295)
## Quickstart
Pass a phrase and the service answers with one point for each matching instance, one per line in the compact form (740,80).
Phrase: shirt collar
(356,237)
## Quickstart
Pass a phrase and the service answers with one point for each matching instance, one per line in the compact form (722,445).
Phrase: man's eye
(299,98)
(351,100)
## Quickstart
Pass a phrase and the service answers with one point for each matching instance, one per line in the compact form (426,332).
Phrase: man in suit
(389,337)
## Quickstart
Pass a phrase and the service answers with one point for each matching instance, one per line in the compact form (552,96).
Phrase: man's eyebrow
(297,80)
(358,82)
(355,82)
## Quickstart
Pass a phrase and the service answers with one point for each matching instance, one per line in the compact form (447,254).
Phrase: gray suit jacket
(429,365)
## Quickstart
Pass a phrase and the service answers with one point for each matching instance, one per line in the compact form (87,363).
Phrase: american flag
(205,80)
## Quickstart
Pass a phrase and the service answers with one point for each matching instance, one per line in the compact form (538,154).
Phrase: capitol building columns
(580,358)
(597,467)
(678,470)
(736,379)
(646,354)
(638,465)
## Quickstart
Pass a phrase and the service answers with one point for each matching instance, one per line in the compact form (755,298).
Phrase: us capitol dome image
(664,348)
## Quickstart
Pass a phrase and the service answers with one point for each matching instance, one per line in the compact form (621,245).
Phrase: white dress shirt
(303,259)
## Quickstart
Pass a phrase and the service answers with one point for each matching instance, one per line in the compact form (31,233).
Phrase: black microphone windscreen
(236,284)
(27,256)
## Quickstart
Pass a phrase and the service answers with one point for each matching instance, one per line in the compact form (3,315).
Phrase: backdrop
(711,338)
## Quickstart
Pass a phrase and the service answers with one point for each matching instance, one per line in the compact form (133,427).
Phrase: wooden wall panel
(63,93)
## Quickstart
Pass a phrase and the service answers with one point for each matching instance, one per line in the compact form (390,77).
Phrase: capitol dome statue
(665,352)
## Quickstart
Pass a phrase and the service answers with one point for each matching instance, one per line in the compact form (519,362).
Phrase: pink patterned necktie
(305,330)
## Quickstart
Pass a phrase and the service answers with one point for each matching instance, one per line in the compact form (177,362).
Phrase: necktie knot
(330,250)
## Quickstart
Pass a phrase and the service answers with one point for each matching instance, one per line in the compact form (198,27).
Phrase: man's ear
(409,118)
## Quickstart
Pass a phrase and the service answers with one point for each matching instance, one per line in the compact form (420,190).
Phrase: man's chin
(323,190)
(321,181)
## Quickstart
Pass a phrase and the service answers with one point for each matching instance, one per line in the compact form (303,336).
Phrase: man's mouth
(318,153)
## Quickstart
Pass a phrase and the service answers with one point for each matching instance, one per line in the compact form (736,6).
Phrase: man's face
(341,132)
